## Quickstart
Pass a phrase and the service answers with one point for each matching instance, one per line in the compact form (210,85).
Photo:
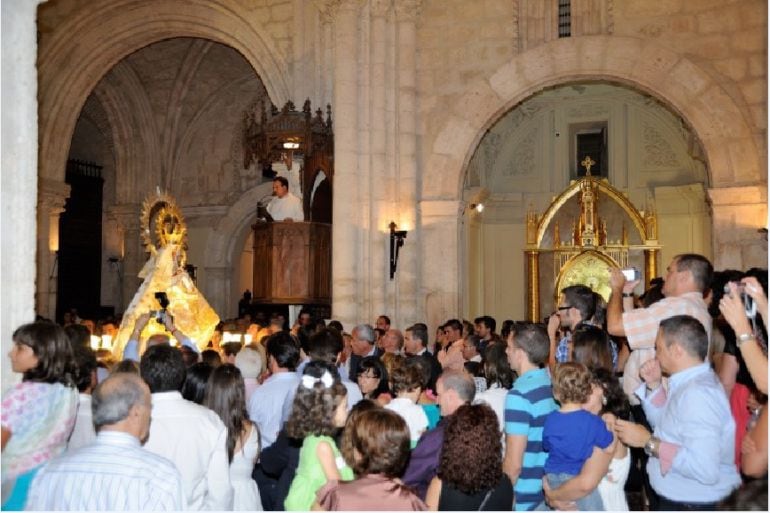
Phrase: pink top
(452,358)
(372,492)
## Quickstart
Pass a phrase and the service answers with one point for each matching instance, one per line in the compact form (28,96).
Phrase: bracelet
(743,338)
(628,294)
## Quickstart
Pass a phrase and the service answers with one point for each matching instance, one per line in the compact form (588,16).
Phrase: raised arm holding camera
(131,351)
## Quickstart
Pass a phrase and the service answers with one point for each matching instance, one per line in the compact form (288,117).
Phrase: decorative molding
(588,110)
(515,21)
(657,150)
(523,157)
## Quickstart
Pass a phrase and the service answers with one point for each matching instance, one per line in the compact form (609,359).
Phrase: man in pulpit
(285,206)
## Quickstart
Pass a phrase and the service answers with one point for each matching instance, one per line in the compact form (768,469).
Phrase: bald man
(114,472)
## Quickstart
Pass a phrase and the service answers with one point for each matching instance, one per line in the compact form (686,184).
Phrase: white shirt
(495,398)
(113,473)
(412,413)
(83,432)
(195,440)
(288,207)
(270,404)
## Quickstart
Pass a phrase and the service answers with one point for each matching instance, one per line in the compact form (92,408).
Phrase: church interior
(467,126)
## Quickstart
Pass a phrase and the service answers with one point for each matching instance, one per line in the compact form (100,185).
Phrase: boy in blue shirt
(571,433)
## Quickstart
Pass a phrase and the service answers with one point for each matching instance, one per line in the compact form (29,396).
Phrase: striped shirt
(113,473)
(641,327)
(526,407)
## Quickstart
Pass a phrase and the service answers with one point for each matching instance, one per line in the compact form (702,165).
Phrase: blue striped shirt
(526,407)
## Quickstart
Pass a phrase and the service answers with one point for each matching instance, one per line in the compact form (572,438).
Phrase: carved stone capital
(126,215)
(407,10)
(329,9)
(379,8)
(52,196)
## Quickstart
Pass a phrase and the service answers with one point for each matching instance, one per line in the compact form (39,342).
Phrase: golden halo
(169,225)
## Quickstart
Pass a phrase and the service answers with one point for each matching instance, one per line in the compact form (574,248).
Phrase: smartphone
(632,274)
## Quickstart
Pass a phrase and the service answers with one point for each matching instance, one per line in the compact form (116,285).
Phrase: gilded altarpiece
(590,228)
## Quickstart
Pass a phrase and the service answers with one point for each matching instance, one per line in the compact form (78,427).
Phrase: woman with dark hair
(195,382)
(591,347)
(372,379)
(38,414)
(470,474)
(499,378)
(226,396)
(375,444)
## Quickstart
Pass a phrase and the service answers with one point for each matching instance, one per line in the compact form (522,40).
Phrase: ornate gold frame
(588,237)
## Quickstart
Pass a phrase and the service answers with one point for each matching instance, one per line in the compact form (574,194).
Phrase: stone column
(18,185)
(218,287)
(346,232)
(133,254)
(407,12)
(738,214)
(439,243)
(52,196)
(378,138)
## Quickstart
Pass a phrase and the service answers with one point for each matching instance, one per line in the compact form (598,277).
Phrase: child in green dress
(318,412)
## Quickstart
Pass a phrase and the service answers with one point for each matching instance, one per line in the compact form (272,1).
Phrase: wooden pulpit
(292,263)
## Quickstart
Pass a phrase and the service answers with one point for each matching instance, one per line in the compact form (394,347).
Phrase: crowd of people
(663,394)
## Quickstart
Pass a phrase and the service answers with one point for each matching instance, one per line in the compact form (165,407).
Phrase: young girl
(38,414)
(376,444)
(318,412)
(571,433)
(226,396)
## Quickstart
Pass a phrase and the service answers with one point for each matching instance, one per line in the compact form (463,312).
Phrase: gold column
(533,285)
(650,266)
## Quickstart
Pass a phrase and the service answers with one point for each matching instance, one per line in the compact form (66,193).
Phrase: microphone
(262,201)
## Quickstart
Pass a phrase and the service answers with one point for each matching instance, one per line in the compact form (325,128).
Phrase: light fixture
(479,207)
(396,242)
(290,145)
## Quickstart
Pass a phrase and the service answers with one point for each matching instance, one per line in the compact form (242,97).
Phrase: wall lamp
(478,207)
(396,241)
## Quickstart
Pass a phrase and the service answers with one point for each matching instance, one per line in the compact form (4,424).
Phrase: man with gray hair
(114,472)
(362,346)
(455,388)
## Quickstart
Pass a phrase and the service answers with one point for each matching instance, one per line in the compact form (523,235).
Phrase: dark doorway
(80,242)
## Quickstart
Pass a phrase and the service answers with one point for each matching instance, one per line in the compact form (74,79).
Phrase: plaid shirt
(641,327)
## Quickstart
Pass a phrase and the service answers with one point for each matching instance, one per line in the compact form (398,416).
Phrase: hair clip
(309,381)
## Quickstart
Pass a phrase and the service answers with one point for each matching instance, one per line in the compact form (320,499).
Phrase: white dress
(245,492)
(611,486)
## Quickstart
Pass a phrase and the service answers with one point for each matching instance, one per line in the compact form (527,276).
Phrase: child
(38,414)
(406,383)
(318,412)
(571,433)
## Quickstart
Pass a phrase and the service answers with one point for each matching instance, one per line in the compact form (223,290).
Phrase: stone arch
(716,118)
(229,234)
(88,45)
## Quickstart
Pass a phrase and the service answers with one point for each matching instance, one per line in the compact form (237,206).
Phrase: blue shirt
(696,417)
(527,405)
(270,404)
(570,438)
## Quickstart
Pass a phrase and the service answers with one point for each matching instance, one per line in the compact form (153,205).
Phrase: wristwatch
(652,445)
(628,294)
(743,338)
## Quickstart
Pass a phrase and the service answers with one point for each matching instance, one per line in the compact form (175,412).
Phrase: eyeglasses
(564,307)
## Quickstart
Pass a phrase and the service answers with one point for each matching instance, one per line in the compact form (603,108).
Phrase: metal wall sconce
(396,241)
(478,207)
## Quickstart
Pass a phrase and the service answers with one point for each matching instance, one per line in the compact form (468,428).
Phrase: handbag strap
(486,499)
